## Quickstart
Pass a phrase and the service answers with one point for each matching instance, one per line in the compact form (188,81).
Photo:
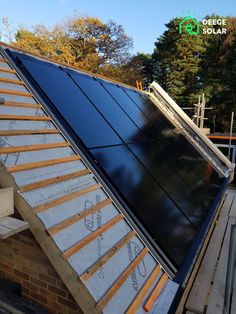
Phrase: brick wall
(23,261)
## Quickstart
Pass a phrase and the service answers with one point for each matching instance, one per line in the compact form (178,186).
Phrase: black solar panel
(167,185)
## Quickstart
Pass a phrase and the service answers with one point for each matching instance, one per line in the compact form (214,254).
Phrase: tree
(218,72)
(188,65)
(93,39)
(176,61)
(139,67)
(85,42)
(52,44)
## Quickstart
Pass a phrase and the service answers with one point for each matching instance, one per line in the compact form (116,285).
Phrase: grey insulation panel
(163,304)
(79,230)
(54,191)
(88,255)
(43,173)
(21,111)
(21,140)
(98,284)
(26,125)
(34,156)
(10,76)
(55,215)
(16,87)
(4,65)
(15,98)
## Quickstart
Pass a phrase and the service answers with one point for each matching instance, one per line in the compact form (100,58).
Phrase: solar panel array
(167,185)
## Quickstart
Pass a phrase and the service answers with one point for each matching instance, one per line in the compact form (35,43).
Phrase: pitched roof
(107,262)
(99,256)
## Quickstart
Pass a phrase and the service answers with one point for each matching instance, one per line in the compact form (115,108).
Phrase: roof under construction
(118,185)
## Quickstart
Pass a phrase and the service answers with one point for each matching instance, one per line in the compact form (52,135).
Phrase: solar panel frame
(205,223)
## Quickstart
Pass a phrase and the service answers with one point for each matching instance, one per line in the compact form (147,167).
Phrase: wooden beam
(65,198)
(155,293)
(15,92)
(75,218)
(6,202)
(119,282)
(40,164)
(10,81)
(29,148)
(200,288)
(31,118)
(93,235)
(21,104)
(221,137)
(143,292)
(28,132)
(3,60)
(181,306)
(102,260)
(10,226)
(7,70)
(46,182)
(216,297)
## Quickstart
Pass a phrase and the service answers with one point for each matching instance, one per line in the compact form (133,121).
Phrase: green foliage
(176,61)
(139,67)
(218,73)
(187,65)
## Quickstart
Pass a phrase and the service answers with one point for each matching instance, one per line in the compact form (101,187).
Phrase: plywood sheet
(10,226)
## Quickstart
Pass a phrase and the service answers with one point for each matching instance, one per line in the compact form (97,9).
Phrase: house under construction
(117,189)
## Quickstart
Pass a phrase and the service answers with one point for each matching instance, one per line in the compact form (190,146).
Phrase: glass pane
(107,106)
(157,158)
(152,127)
(127,105)
(147,106)
(72,104)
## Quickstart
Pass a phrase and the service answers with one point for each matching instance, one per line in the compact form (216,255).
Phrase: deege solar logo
(189,25)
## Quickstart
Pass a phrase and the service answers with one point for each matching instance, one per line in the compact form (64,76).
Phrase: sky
(143,21)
